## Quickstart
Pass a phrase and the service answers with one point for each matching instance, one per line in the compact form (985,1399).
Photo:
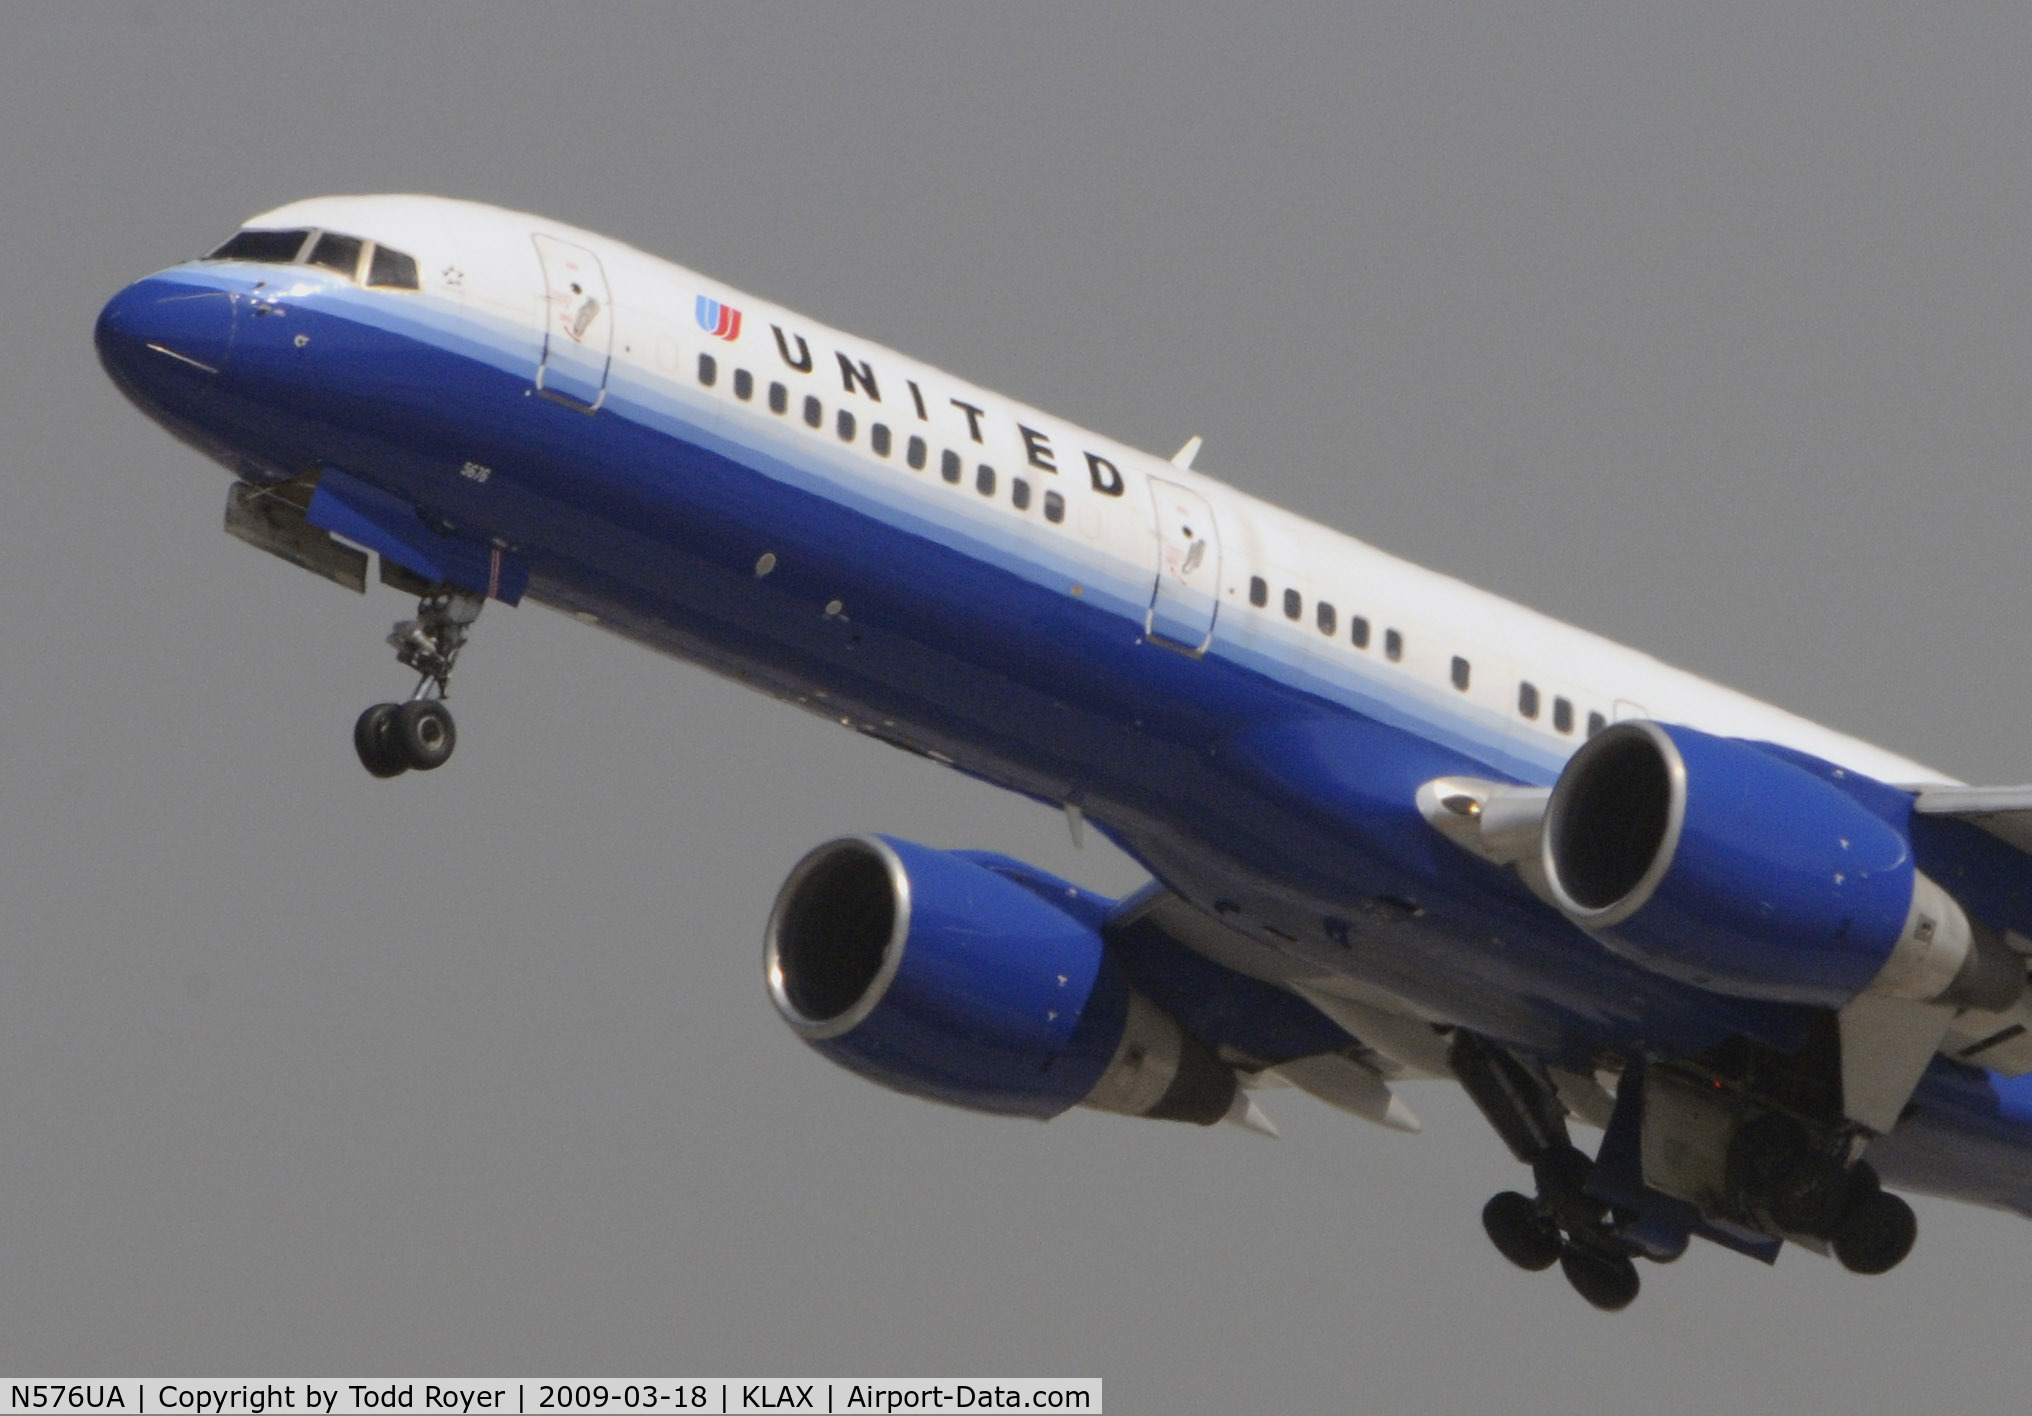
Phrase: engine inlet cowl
(956,977)
(1717,862)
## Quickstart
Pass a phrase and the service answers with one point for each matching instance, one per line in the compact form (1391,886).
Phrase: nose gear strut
(392,738)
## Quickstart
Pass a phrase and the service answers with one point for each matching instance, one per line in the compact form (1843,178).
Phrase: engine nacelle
(934,975)
(1708,860)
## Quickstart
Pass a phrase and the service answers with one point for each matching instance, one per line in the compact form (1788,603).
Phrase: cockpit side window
(268,247)
(337,253)
(392,269)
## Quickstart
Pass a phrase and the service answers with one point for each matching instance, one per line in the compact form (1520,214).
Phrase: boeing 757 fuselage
(1396,826)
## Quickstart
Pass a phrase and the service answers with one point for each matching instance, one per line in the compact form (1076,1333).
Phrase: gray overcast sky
(1709,327)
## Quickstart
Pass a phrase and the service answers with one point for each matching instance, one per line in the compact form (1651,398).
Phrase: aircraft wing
(1341,1043)
(2004,812)
(1999,1042)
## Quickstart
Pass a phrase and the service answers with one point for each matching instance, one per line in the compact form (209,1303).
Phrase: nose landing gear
(392,738)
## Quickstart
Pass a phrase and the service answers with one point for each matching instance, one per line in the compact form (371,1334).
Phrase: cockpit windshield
(268,247)
(339,253)
(368,262)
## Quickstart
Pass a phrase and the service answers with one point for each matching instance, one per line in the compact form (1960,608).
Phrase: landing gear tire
(1520,1233)
(1608,1281)
(1777,1174)
(393,738)
(1876,1232)
(423,731)
(375,740)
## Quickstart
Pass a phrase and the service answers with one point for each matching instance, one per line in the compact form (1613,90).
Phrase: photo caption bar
(381,1395)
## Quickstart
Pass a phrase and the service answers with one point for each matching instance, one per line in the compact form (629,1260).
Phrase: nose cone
(164,342)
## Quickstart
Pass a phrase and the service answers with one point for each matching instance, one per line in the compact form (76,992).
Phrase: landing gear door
(1187,594)
(578,330)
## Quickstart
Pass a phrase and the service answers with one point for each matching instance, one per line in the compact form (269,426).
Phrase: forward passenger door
(578,329)
(1186,596)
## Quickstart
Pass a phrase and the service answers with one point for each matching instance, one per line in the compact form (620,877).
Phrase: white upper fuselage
(478,262)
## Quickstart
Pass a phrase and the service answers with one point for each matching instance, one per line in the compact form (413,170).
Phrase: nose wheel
(393,738)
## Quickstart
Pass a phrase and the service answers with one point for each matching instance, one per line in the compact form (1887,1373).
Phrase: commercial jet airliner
(1395,826)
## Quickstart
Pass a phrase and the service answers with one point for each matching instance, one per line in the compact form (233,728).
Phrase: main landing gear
(1778,1176)
(393,738)
(1876,1228)
(1562,1224)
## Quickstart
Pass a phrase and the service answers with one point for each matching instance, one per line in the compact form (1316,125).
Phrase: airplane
(1395,827)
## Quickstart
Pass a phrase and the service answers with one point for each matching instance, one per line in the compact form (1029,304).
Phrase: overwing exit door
(1186,597)
(578,329)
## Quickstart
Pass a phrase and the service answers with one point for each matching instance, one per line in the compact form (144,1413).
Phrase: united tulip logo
(721,321)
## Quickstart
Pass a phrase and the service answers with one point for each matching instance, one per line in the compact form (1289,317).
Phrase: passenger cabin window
(337,253)
(846,426)
(708,370)
(1562,715)
(1294,604)
(814,412)
(267,247)
(1595,723)
(984,480)
(1019,493)
(949,466)
(1358,631)
(779,398)
(1259,591)
(915,454)
(744,385)
(1393,645)
(1054,507)
(1527,699)
(1460,673)
(878,438)
(1323,614)
(391,270)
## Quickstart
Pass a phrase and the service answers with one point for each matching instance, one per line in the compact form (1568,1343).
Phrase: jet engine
(1709,860)
(933,974)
